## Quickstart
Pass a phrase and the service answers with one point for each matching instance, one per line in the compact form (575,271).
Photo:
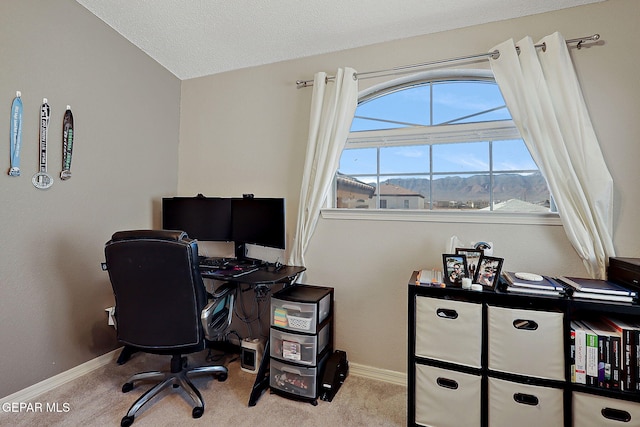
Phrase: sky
(450,103)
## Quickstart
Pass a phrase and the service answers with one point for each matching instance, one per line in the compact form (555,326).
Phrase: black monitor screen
(202,218)
(259,222)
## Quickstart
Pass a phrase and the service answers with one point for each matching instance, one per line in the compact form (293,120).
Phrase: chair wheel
(126,421)
(197,412)
(222,377)
(127,387)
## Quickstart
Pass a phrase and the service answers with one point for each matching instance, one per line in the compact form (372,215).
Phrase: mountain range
(530,188)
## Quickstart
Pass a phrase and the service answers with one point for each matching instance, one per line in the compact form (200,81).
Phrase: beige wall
(126,110)
(245,131)
(242,132)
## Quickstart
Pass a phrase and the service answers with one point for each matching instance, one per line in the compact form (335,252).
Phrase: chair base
(178,377)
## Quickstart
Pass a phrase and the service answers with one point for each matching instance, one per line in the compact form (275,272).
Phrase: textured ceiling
(194,38)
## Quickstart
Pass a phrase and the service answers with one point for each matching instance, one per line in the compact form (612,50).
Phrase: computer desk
(285,275)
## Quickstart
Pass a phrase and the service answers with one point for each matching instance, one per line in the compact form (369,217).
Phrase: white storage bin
(523,405)
(526,342)
(296,380)
(448,330)
(597,411)
(447,398)
(302,349)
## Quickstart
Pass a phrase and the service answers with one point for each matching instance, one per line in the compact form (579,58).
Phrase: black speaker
(336,370)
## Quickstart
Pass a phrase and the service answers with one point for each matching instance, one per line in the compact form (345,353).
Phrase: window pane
(462,157)
(408,107)
(467,102)
(354,192)
(407,159)
(512,155)
(358,161)
(514,192)
(462,191)
(404,193)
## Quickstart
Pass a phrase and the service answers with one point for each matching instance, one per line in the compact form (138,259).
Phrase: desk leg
(125,354)
(262,378)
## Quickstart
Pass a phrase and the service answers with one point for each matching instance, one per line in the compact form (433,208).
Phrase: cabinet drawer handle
(616,414)
(527,325)
(447,383)
(447,313)
(525,399)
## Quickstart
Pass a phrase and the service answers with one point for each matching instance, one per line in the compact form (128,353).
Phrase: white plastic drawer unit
(290,309)
(448,330)
(523,405)
(296,380)
(446,398)
(597,411)
(303,349)
(526,342)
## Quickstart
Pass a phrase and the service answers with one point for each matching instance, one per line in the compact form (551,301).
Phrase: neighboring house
(352,193)
(396,197)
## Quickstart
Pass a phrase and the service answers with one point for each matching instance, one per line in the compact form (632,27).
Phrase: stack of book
(604,354)
(603,290)
(546,286)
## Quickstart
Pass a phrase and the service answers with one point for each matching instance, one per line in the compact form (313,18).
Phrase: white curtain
(542,92)
(332,108)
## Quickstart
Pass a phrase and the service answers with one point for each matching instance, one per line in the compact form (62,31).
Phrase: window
(438,142)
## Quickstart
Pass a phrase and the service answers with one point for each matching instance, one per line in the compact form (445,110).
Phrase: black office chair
(161,307)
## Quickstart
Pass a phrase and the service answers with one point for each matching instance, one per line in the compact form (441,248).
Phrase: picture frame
(454,268)
(473,259)
(488,272)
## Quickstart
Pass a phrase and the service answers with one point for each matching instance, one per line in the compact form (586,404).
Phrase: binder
(597,286)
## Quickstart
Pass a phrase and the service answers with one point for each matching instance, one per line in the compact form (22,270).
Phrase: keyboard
(212,263)
(235,271)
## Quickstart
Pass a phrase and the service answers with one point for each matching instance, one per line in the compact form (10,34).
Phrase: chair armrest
(217,314)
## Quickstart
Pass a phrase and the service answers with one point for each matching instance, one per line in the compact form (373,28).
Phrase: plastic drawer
(448,330)
(596,411)
(523,405)
(526,342)
(296,380)
(299,316)
(303,349)
(447,398)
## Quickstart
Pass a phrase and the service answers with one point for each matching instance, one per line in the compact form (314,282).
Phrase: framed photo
(488,271)
(473,259)
(455,268)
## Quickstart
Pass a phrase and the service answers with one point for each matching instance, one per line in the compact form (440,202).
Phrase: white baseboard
(36,390)
(378,374)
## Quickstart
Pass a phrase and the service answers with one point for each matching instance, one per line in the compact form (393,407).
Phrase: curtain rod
(406,68)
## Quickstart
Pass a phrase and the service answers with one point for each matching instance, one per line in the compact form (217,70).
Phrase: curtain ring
(355,76)
(579,45)
(544,46)
(326,79)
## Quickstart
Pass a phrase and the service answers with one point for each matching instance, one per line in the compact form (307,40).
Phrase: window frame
(421,135)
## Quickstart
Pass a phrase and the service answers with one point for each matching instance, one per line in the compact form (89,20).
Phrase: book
(580,353)
(591,354)
(531,291)
(547,283)
(608,353)
(628,353)
(597,286)
(601,297)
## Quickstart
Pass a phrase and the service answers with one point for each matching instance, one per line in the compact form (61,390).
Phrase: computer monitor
(258,221)
(202,218)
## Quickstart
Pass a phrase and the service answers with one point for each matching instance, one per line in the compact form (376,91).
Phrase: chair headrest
(173,235)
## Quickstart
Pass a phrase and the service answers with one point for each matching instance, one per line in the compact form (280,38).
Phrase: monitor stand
(241,256)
